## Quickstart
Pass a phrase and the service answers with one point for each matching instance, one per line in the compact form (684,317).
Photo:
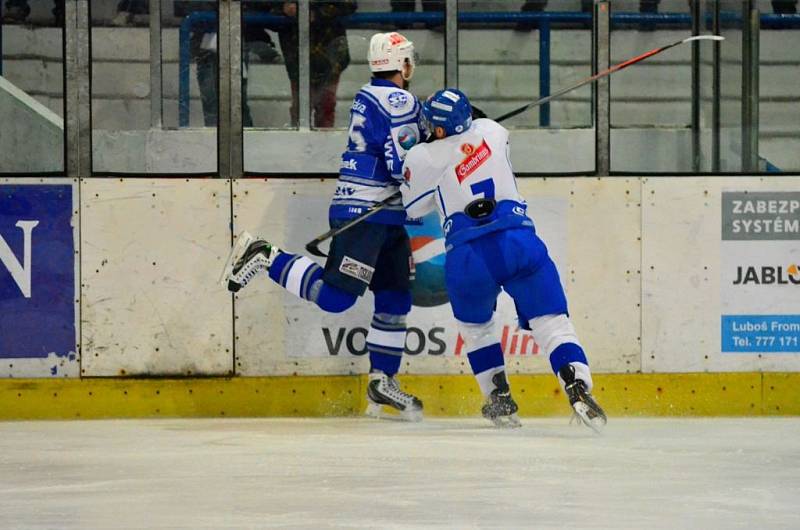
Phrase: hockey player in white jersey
(384,124)
(491,246)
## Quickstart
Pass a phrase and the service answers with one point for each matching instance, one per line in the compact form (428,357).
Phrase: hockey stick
(313,246)
(606,73)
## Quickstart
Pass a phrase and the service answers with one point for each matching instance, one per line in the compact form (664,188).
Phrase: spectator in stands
(408,6)
(329,55)
(18,11)
(203,47)
(127,9)
(784,7)
(540,5)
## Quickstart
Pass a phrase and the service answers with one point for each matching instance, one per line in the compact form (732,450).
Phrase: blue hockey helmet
(449,109)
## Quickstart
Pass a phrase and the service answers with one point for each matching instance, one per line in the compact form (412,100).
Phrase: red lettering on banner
(475,158)
(527,338)
(525,341)
(504,339)
(459,344)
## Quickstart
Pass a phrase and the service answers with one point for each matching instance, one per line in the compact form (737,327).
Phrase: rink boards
(650,266)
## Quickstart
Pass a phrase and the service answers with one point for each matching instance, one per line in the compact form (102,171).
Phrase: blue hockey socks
(386,340)
(302,277)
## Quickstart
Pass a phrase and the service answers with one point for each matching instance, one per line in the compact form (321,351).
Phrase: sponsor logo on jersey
(343,190)
(407,175)
(407,137)
(359,107)
(398,99)
(349,164)
(475,158)
(768,275)
(356,269)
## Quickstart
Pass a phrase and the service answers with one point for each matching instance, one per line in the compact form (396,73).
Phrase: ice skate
(248,257)
(587,411)
(500,408)
(383,390)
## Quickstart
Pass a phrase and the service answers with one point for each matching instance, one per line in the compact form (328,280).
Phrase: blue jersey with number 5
(469,178)
(384,125)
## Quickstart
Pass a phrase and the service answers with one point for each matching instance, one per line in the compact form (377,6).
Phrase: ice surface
(359,473)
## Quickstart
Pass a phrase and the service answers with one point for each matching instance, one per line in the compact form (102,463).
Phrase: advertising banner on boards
(760,272)
(37,280)
(432,329)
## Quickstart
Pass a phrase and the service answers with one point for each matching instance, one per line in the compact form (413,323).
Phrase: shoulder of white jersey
(487,126)
(422,158)
(396,103)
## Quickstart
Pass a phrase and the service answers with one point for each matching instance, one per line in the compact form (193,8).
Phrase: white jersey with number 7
(455,172)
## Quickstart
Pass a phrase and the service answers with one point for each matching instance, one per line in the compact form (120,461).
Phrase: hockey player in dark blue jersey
(384,124)
(491,246)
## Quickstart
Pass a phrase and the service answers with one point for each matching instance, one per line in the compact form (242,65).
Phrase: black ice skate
(384,390)
(248,257)
(587,411)
(500,408)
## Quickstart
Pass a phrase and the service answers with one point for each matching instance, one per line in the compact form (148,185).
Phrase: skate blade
(239,246)
(385,412)
(582,411)
(507,422)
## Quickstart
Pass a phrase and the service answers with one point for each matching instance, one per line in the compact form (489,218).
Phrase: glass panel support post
(156,105)
(451,44)
(716,102)
(696,95)
(303,67)
(602,92)
(77,108)
(750,89)
(230,89)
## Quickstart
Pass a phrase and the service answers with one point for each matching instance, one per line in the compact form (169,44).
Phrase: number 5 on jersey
(356,124)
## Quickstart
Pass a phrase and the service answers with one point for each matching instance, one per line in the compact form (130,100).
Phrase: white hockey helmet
(389,52)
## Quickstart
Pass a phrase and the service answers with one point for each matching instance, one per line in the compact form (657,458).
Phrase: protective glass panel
(339,36)
(651,101)
(779,76)
(514,53)
(31,86)
(154,86)
(339,53)
(269,64)
(730,85)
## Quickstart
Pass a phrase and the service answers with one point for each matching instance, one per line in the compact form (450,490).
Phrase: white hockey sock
(387,334)
(297,274)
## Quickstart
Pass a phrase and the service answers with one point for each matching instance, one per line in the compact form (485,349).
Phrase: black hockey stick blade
(606,73)
(313,246)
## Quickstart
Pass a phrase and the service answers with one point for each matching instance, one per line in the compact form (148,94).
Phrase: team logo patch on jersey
(398,99)
(407,137)
(475,158)
(356,269)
